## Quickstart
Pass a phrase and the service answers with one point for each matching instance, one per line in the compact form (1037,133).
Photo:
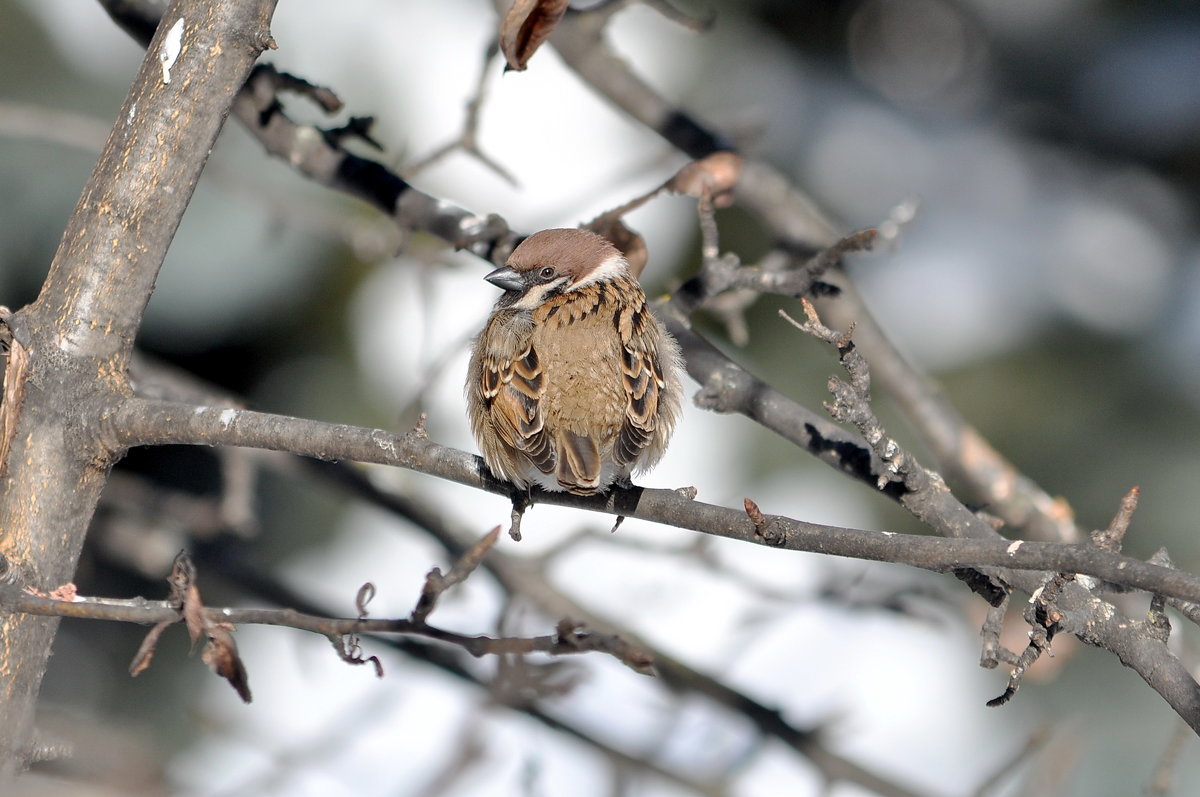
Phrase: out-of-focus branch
(83,132)
(787,210)
(467,140)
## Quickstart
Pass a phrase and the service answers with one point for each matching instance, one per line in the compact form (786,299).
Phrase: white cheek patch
(614,266)
(536,295)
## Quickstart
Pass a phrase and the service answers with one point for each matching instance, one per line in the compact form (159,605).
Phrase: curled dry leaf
(631,244)
(141,661)
(221,655)
(185,592)
(183,573)
(351,652)
(366,594)
(193,614)
(714,175)
(527,24)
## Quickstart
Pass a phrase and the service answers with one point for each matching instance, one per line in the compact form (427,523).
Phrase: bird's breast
(580,357)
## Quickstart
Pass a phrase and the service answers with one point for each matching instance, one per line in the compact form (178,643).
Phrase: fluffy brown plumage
(573,383)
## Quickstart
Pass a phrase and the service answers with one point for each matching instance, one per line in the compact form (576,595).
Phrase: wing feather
(512,390)
(642,379)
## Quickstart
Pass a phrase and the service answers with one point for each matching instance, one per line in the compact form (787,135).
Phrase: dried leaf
(141,660)
(527,24)
(716,175)
(366,594)
(183,573)
(221,655)
(193,614)
(631,244)
(350,651)
(185,592)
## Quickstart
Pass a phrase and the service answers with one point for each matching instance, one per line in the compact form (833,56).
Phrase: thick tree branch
(75,339)
(104,271)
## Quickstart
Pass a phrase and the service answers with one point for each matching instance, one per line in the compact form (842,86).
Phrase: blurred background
(1049,281)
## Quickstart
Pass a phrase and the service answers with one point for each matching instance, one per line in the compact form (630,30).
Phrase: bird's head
(553,262)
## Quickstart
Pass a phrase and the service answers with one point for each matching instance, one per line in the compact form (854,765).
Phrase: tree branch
(79,333)
(570,639)
(149,422)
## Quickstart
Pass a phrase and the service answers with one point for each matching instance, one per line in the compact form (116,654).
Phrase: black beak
(504,277)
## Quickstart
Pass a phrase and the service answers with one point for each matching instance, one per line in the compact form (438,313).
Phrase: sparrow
(573,383)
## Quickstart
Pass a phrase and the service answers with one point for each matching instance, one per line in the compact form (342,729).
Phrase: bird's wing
(642,379)
(513,389)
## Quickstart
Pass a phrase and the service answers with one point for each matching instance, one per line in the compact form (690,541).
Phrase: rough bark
(74,342)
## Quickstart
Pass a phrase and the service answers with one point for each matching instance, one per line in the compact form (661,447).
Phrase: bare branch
(436,583)
(522,577)
(467,140)
(1110,539)
(146,422)
(570,638)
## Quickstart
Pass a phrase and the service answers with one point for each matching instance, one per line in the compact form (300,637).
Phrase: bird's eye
(547,272)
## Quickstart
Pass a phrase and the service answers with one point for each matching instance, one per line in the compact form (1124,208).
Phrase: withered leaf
(141,660)
(221,655)
(350,651)
(193,614)
(527,24)
(183,574)
(716,174)
(631,244)
(366,594)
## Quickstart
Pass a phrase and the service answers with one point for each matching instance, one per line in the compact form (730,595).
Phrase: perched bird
(573,383)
